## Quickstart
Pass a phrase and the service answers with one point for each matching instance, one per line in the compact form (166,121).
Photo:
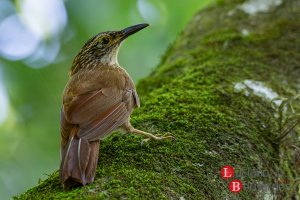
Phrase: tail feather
(79,161)
(93,160)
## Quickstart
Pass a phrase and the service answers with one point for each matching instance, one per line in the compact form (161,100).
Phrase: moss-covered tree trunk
(213,91)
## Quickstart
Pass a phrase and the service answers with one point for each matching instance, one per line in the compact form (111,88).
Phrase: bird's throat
(111,57)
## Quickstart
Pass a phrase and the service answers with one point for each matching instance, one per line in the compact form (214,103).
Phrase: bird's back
(95,78)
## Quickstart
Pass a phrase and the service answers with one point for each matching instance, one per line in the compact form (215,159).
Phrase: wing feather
(104,124)
(99,112)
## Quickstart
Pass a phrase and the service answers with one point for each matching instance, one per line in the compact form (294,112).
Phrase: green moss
(191,94)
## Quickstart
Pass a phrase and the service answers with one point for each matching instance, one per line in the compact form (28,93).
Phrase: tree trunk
(213,91)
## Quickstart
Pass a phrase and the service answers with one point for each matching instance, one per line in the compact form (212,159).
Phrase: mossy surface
(191,94)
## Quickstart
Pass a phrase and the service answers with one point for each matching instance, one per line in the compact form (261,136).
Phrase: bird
(98,98)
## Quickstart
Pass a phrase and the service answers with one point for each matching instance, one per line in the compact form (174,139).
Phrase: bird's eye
(105,40)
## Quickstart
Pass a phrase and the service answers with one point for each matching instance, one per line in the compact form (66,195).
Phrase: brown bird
(98,99)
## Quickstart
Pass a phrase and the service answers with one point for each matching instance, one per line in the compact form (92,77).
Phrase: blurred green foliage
(29,137)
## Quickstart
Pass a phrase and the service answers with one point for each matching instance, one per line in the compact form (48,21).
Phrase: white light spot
(43,17)
(198,164)
(258,88)
(33,34)
(230,12)
(45,54)
(3,102)
(16,42)
(268,195)
(252,7)
(245,32)
(152,11)
(239,86)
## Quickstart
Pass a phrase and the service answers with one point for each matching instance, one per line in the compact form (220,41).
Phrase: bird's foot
(158,137)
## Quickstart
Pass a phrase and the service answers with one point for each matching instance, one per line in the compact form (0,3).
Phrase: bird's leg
(128,127)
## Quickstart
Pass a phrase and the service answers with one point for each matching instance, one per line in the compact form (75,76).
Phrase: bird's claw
(158,137)
(166,136)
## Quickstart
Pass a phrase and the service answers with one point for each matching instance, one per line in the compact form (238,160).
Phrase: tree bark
(213,91)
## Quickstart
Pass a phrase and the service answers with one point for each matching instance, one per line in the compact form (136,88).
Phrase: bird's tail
(79,161)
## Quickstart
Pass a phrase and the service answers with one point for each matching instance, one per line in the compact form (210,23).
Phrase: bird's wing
(136,98)
(98,113)
(65,129)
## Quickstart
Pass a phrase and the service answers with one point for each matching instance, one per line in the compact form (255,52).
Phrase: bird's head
(103,47)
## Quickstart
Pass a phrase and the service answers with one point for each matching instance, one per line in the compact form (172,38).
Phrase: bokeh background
(38,41)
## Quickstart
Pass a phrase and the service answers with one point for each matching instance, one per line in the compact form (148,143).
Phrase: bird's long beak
(131,30)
